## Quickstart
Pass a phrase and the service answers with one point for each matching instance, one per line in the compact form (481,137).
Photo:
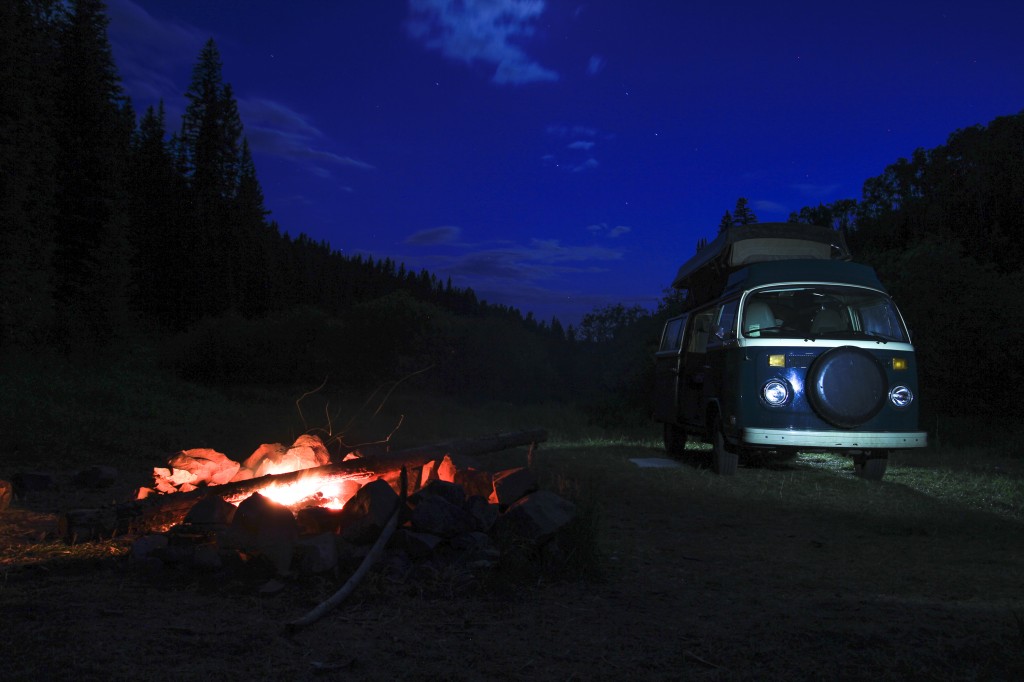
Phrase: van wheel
(723,462)
(675,440)
(870,468)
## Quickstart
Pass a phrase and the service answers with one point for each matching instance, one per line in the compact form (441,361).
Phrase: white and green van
(784,345)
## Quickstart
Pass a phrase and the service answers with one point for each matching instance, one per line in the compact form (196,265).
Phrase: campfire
(190,469)
(295,511)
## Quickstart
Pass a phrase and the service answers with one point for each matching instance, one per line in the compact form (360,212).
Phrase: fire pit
(293,511)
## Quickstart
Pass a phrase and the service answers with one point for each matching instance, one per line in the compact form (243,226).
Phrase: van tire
(870,468)
(723,462)
(675,441)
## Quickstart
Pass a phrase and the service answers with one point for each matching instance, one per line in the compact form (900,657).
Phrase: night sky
(560,155)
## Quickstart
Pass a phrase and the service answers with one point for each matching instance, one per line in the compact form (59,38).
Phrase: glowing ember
(313,490)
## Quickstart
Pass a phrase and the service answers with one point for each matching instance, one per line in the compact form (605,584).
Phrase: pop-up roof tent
(703,277)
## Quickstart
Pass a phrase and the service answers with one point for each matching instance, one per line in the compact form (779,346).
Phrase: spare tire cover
(846,386)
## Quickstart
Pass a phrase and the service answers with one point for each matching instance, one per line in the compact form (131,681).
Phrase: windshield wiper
(871,335)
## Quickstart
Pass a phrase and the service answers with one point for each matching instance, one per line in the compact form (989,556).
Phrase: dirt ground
(693,584)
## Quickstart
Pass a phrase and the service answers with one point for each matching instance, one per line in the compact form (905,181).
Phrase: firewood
(156,513)
(350,585)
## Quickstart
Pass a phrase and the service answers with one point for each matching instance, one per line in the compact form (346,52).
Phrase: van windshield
(821,311)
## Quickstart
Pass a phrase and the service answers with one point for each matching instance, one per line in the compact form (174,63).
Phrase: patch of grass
(965,478)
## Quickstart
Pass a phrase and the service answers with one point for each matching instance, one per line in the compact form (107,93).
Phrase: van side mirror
(724,335)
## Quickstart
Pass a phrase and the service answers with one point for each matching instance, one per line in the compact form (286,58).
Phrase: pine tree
(28,163)
(210,156)
(94,131)
(157,233)
(253,237)
(743,215)
(726,222)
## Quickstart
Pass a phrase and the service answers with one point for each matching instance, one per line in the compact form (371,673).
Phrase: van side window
(673,331)
(701,329)
(725,328)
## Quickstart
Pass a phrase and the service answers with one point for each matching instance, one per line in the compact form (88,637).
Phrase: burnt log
(371,558)
(157,513)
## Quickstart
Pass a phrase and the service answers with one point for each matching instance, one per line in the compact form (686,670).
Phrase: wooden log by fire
(158,512)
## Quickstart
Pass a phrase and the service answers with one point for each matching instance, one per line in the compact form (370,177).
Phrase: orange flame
(321,491)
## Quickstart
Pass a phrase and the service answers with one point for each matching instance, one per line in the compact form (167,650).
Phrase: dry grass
(794,571)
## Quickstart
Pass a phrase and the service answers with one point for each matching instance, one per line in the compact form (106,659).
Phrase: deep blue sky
(558,155)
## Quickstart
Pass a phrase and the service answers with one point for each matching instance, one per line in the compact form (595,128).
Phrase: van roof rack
(704,275)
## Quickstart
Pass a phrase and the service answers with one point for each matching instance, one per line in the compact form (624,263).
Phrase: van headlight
(775,392)
(901,396)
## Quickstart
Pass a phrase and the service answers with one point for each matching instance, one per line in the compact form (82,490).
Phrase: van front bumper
(836,439)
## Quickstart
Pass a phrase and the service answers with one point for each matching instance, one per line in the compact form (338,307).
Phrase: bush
(298,347)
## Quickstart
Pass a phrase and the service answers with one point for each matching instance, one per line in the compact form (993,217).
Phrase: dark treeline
(944,229)
(120,227)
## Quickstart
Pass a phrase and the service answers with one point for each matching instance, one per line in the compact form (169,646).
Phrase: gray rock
(537,517)
(207,557)
(440,517)
(316,520)
(211,511)
(146,546)
(475,481)
(268,528)
(208,466)
(316,554)
(96,476)
(369,510)
(483,513)
(452,492)
(512,485)
(417,545)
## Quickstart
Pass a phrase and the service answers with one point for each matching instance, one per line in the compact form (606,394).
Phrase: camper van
(784,345)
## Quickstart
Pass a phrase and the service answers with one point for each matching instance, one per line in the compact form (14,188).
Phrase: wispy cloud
(609,231)
(446,234)
(156,57)
(273,128)
(581,141)
(539,264)
(536,259)
(150,52)
(487,31)
(547,276)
